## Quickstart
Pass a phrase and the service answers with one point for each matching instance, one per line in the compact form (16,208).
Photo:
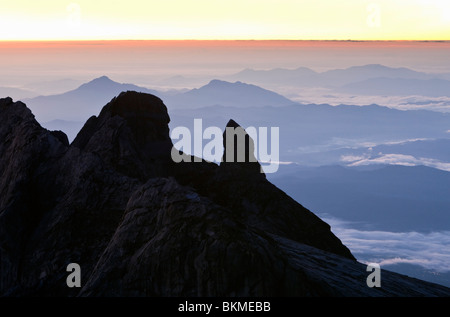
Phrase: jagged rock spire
(239,150)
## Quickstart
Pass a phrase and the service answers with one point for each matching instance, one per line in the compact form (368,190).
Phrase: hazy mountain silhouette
(302,125)
(223,93)
(302,76)
(139,224)
(81,103)
(360,73)
(305,77)
(67,111)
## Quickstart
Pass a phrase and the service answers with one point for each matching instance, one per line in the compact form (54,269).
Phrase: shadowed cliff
(139,224)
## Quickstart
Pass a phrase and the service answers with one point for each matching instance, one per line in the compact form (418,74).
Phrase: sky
(225,19)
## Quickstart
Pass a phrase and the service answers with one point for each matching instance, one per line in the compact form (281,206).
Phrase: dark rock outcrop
(131,134)
(139,224)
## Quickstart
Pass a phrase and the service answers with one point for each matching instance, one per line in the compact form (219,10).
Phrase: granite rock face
(139,224)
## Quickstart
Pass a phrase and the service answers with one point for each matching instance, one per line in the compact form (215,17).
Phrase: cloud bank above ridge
(429,250)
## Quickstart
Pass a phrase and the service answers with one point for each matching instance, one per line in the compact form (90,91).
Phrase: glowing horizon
(357,20)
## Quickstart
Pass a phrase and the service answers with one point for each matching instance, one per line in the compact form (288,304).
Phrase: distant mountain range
(81,103)
(301,76)
(222,93)
(371,79)
(239,89)
(334,77)
(305,128)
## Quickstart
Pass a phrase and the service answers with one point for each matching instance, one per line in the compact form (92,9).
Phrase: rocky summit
(139,224)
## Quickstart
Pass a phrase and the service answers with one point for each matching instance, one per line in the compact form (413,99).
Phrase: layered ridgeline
(139,224)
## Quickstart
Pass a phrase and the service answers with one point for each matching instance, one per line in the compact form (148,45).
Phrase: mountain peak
(98,83)
(223,83)
(6,101)
(232,123)
(375,66)
(237,162)
(131,130)
(225,93)
(381,68)
(135,105)
(102,79)
(217,82)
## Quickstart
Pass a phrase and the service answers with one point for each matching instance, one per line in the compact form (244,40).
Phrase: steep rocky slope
(139,224)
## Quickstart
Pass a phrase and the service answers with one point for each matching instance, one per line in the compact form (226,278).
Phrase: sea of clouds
(429,250)
(323,96)
(394,159)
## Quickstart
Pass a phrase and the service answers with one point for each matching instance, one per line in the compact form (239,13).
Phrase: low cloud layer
(321,95)
(394,159)
(429,250)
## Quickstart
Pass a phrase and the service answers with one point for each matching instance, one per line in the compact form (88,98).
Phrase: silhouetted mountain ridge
(81,103)
(219,92)
(139,224)
(354,80)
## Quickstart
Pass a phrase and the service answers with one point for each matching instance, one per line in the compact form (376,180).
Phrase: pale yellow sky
(225,19)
